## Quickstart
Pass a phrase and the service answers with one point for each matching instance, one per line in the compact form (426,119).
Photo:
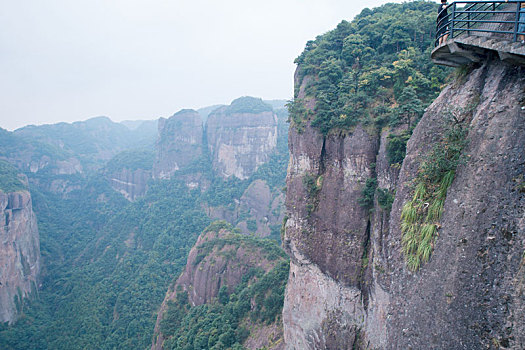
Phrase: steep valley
(381,208)
(113,236)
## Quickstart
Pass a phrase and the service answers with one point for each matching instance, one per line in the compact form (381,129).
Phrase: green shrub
(385,199)
(368,192)
(396,147)
(251,225)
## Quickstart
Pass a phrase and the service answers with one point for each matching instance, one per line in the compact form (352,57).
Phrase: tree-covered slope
(107,263)
(229,295)
(10,180)
(93,141)
(372,70)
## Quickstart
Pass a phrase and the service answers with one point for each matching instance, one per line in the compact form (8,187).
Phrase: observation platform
(475,30)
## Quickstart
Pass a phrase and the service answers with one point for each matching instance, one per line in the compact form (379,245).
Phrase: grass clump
(420,216)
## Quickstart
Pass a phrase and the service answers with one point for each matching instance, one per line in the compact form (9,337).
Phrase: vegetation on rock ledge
(373,70)
(420,216)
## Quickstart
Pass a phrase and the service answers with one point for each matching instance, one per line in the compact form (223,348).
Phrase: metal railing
(499,18)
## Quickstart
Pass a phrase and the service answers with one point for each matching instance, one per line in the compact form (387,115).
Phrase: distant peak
(185,111)
(248,104)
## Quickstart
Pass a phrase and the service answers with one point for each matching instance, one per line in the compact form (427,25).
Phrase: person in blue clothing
(442,21)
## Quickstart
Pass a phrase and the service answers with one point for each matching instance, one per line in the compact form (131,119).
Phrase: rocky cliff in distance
(130,183)
(20,246)
(349,284)
(222,263)
(179,143)
(241,137)
(129,172)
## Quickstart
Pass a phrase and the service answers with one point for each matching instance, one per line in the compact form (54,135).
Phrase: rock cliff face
(131,183)
(262,207)
(349,286)
(207,270)
(179,143)
(259,210)
(19,253)
(240,140)
(220,259)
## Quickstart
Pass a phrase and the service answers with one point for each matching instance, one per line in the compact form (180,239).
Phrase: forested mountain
(230,294)
(402,225)
(108,253)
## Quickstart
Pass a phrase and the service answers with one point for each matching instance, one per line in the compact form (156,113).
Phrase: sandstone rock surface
(349,286)
(239,142)
(219,259)
(19,253)
(179,143)
(131,183)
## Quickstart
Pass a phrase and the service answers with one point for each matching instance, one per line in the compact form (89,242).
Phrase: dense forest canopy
(248,104)
(373,70)
(9,179)
(107,263)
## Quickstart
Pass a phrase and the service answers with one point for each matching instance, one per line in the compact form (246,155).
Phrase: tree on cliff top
(364,67)
(248,104)
(9,178)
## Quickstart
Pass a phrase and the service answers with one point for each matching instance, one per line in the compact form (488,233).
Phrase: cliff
(131,183)
(129,172)
(356,282)
(20,248)
(179,143)
(220,265)
(241,137)
(259,210)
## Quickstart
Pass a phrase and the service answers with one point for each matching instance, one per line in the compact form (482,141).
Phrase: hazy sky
(68,60)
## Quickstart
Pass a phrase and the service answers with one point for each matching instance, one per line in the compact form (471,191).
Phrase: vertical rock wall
(349,286)
(179,143)
(131,183)
(240,142)
(19,253)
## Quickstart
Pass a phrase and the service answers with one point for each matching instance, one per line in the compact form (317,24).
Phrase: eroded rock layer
(179,143)
(240,142)
(349,285)
(19,253)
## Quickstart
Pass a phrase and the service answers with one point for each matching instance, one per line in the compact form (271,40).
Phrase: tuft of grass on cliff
(373,70)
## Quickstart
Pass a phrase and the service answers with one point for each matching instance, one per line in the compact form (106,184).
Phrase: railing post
(468,23)
(516,20)
(451,23)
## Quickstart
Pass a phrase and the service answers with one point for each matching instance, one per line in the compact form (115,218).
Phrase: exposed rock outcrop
(179,143)
(258,211)
(211,267)
(131,183)
(263,208)
(349,286)
(19,253)
(241,139)
(221,259)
